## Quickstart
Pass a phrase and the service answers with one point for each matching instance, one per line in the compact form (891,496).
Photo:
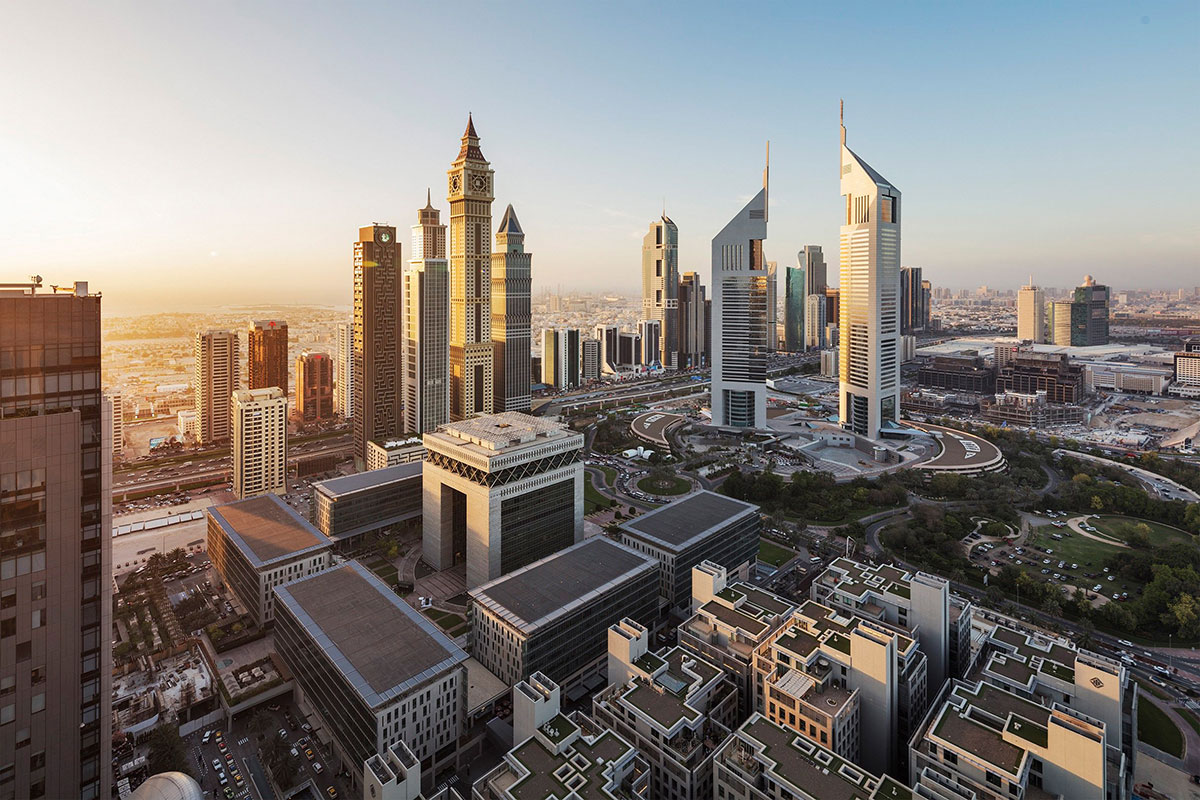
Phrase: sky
(183,155)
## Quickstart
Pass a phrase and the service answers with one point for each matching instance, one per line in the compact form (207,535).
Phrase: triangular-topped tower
(511,315)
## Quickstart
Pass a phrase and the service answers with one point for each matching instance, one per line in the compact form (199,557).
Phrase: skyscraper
(660,287)
(912,301)
(344,387)
(794,301)
(869,338)
(590,360)
(691,321)
(815,271)
(739,318)
(56,554)
(1089,314)
(567,360)
(511,314)
(259,441)
(1060,322)
(650,331)
(1031,313)
(314,387)
(377,336)
(814,321)
(927,304)
(215,379)
(550,373)
(772,306)
(267,354)
(471,364)
(427,325)
(608,335)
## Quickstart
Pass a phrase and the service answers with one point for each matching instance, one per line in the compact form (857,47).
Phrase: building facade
(367,503)
(1089,314)
(650,337)
(552,616)
(471,192)
(692,303)
(961,372)
(259,441)
(1031,313)
(267,355)
(567,360)
(741,337)
(214,382)
(511,316)
(260,543)
(391,452)
(869,319)
(344,385)
(55,548)
(427,326)
(660,288)
(794,306)
(377,336)
(589,350)
(913,310)
(550,370)
(500,491)
(314,388)
(814,321)
(1029,372)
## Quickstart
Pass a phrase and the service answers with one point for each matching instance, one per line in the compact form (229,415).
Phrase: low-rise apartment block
(552,616)
(729,621)
(374,670)
(259,543)
(674,707)
(704,526)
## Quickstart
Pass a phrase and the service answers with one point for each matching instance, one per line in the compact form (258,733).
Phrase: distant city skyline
(1040,131)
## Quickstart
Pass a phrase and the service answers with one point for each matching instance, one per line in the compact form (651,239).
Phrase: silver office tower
(869,317)
(660,287)
(427,326)
(740,318)
(55,547)
(511,315)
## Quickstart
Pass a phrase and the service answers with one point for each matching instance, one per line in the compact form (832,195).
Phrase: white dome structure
(168,786)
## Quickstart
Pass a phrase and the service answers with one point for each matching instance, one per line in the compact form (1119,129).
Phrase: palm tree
(260,724)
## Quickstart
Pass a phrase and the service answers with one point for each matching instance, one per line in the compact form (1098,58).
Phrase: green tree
(167,751)
(1186,611)
(260,723)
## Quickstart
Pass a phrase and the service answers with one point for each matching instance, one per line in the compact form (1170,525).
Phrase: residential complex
(470,194)
(260,543)
(740,335)
(426,321)
(501,491)
(259,441)
(552,616)
(377,338)
(214,382)
(267,355)
(55,547)
(372,669)
(869,338)
(511,315)
(703,526)
(367,503)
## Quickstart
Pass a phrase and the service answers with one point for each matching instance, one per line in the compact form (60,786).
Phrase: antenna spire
(842,119)
(767,181)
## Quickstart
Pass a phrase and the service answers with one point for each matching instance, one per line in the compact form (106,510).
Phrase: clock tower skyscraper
(471,354)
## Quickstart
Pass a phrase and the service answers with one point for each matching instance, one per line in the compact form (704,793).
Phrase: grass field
(452,624)
(1190,718)
(1156,729)
(384,570)
(674,485)
(1089,554)
(774,554)
(1159,534)
(610,475)
(592,499)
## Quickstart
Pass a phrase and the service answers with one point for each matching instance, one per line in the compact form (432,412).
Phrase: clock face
(455,184)
(385,237)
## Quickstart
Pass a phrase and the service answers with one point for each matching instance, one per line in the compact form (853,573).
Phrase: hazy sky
(201,153)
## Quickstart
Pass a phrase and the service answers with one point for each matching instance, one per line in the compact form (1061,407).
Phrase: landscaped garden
(664,484)
(1156,729)
(774,554)
(452,624)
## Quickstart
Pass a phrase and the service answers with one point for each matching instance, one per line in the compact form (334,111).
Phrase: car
(229,793)
(1123,642)
(295,753)
(309,754)
(207,736)
(282,733)
(221,746)
(1045,561)
(1112,577)
(332,792)
(217,764)
(1097,588)
(306,728)
(317,768)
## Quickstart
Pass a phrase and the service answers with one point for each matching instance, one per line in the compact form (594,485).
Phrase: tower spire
(842,119)
(767,181)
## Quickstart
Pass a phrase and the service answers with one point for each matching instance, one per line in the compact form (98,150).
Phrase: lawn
(592,499)
(1156,729)
(667,486)
(452,624)
(1189,718)
(385,570)
(774,554)
(1089,554)
(1159,534)
(610,475)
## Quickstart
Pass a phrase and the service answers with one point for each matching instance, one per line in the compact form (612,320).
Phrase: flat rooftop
(266,529)
(557,584)
(682,522)
(372,479)
(382,646)
(493,433)
(577,771)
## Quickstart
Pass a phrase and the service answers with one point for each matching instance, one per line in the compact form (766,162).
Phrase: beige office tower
(55,548)
(660,288)
(471,363)
(1060,322)
(113,398)
(814,321)
(1031,313)
(550,366)
(377,339)
(511,316)
(214,382)
(343,391)
(427,326)
(869,318)
(259,441)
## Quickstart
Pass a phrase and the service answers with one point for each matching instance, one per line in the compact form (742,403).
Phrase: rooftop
(372,479)
(579,770)
(380,644)
(557,584)
(266,529)
(493,433)
(677,524)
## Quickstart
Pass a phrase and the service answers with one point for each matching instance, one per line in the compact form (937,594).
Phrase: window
(39,590)
(8,599)
(8,627)
(8,685)
(37,703)
(8,713)
(38,618)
